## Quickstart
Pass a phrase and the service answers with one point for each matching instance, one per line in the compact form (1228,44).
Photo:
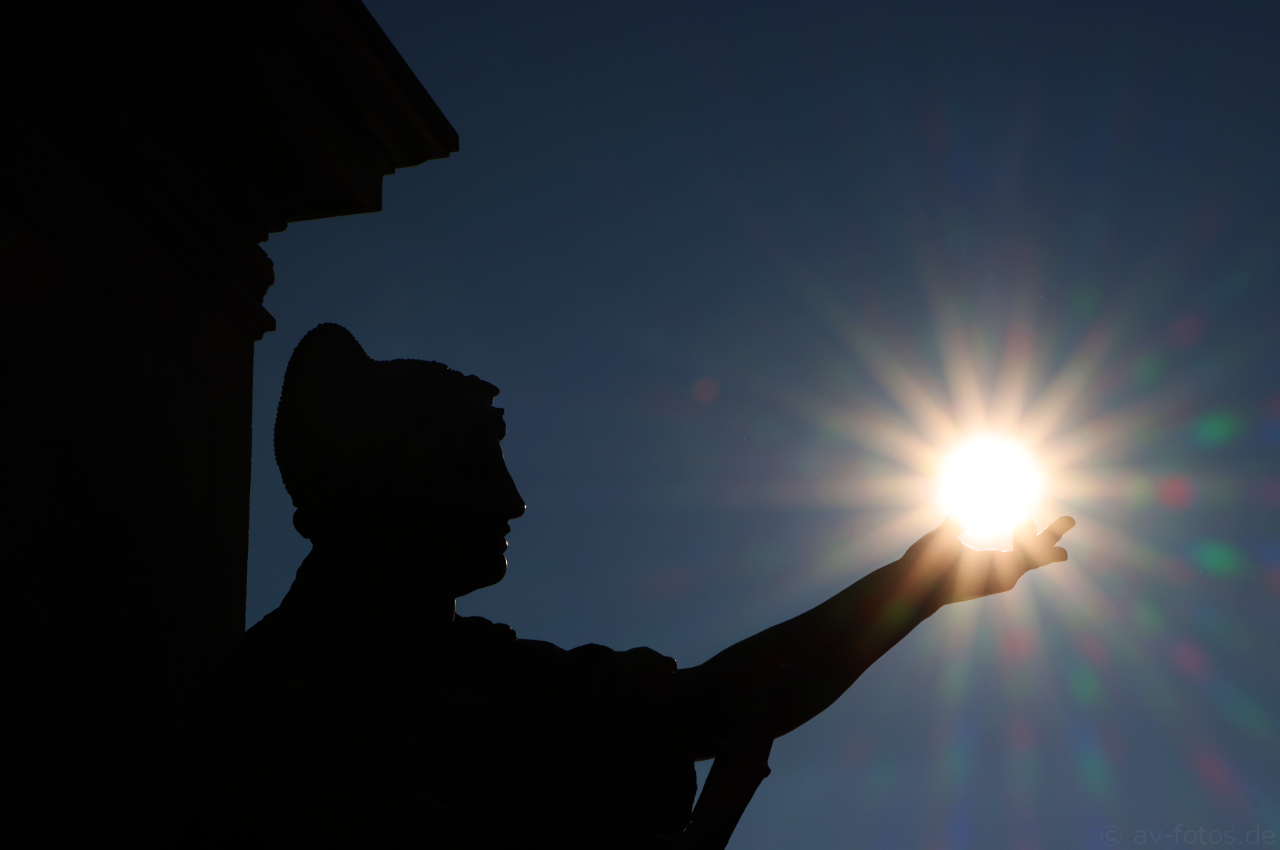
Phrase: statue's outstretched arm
(799,667)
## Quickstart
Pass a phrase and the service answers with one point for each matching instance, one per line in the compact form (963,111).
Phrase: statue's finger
(1056,529)
(1051,556)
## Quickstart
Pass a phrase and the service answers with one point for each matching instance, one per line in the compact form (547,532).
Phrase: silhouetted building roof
(244,115)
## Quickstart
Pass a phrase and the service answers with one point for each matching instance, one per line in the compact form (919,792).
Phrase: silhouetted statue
(363,713)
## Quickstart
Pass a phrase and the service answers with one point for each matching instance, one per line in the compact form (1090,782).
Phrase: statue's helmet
(349,426)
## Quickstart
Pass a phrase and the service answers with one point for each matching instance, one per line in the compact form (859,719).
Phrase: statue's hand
(941,568)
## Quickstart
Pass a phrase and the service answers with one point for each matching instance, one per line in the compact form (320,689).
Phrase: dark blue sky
(866,225)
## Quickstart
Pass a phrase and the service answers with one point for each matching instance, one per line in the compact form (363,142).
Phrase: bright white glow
(989,483)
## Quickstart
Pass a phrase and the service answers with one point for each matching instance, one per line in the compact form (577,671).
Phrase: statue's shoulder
(298,630)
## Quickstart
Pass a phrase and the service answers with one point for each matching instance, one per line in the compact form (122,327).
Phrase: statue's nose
(517,505)
(515,502)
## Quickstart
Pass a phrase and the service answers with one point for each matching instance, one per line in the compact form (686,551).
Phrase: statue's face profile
(465,510)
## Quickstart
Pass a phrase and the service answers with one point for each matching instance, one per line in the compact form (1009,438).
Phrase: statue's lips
(481,536)
(496,534)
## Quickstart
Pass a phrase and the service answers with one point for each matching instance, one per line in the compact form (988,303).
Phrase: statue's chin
(482,576)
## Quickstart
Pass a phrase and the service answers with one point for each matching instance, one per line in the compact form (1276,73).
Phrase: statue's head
(396,453)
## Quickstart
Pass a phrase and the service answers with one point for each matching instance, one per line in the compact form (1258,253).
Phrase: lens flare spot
(1145,370)
(1186,330)
(1218,429)
(990,484)
(1189,657)
(1149,618)
(1217,775)
(1218,559)
(1086,687)
(1092,766)
(1176,492)
(705,391)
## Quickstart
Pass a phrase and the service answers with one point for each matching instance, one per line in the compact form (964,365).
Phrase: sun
(989,483)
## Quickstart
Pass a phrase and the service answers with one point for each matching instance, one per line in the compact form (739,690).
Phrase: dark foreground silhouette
(363,713)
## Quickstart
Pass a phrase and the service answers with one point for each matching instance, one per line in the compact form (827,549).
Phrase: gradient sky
(743,270)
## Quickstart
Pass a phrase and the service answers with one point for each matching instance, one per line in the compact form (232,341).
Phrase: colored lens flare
(989,483)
